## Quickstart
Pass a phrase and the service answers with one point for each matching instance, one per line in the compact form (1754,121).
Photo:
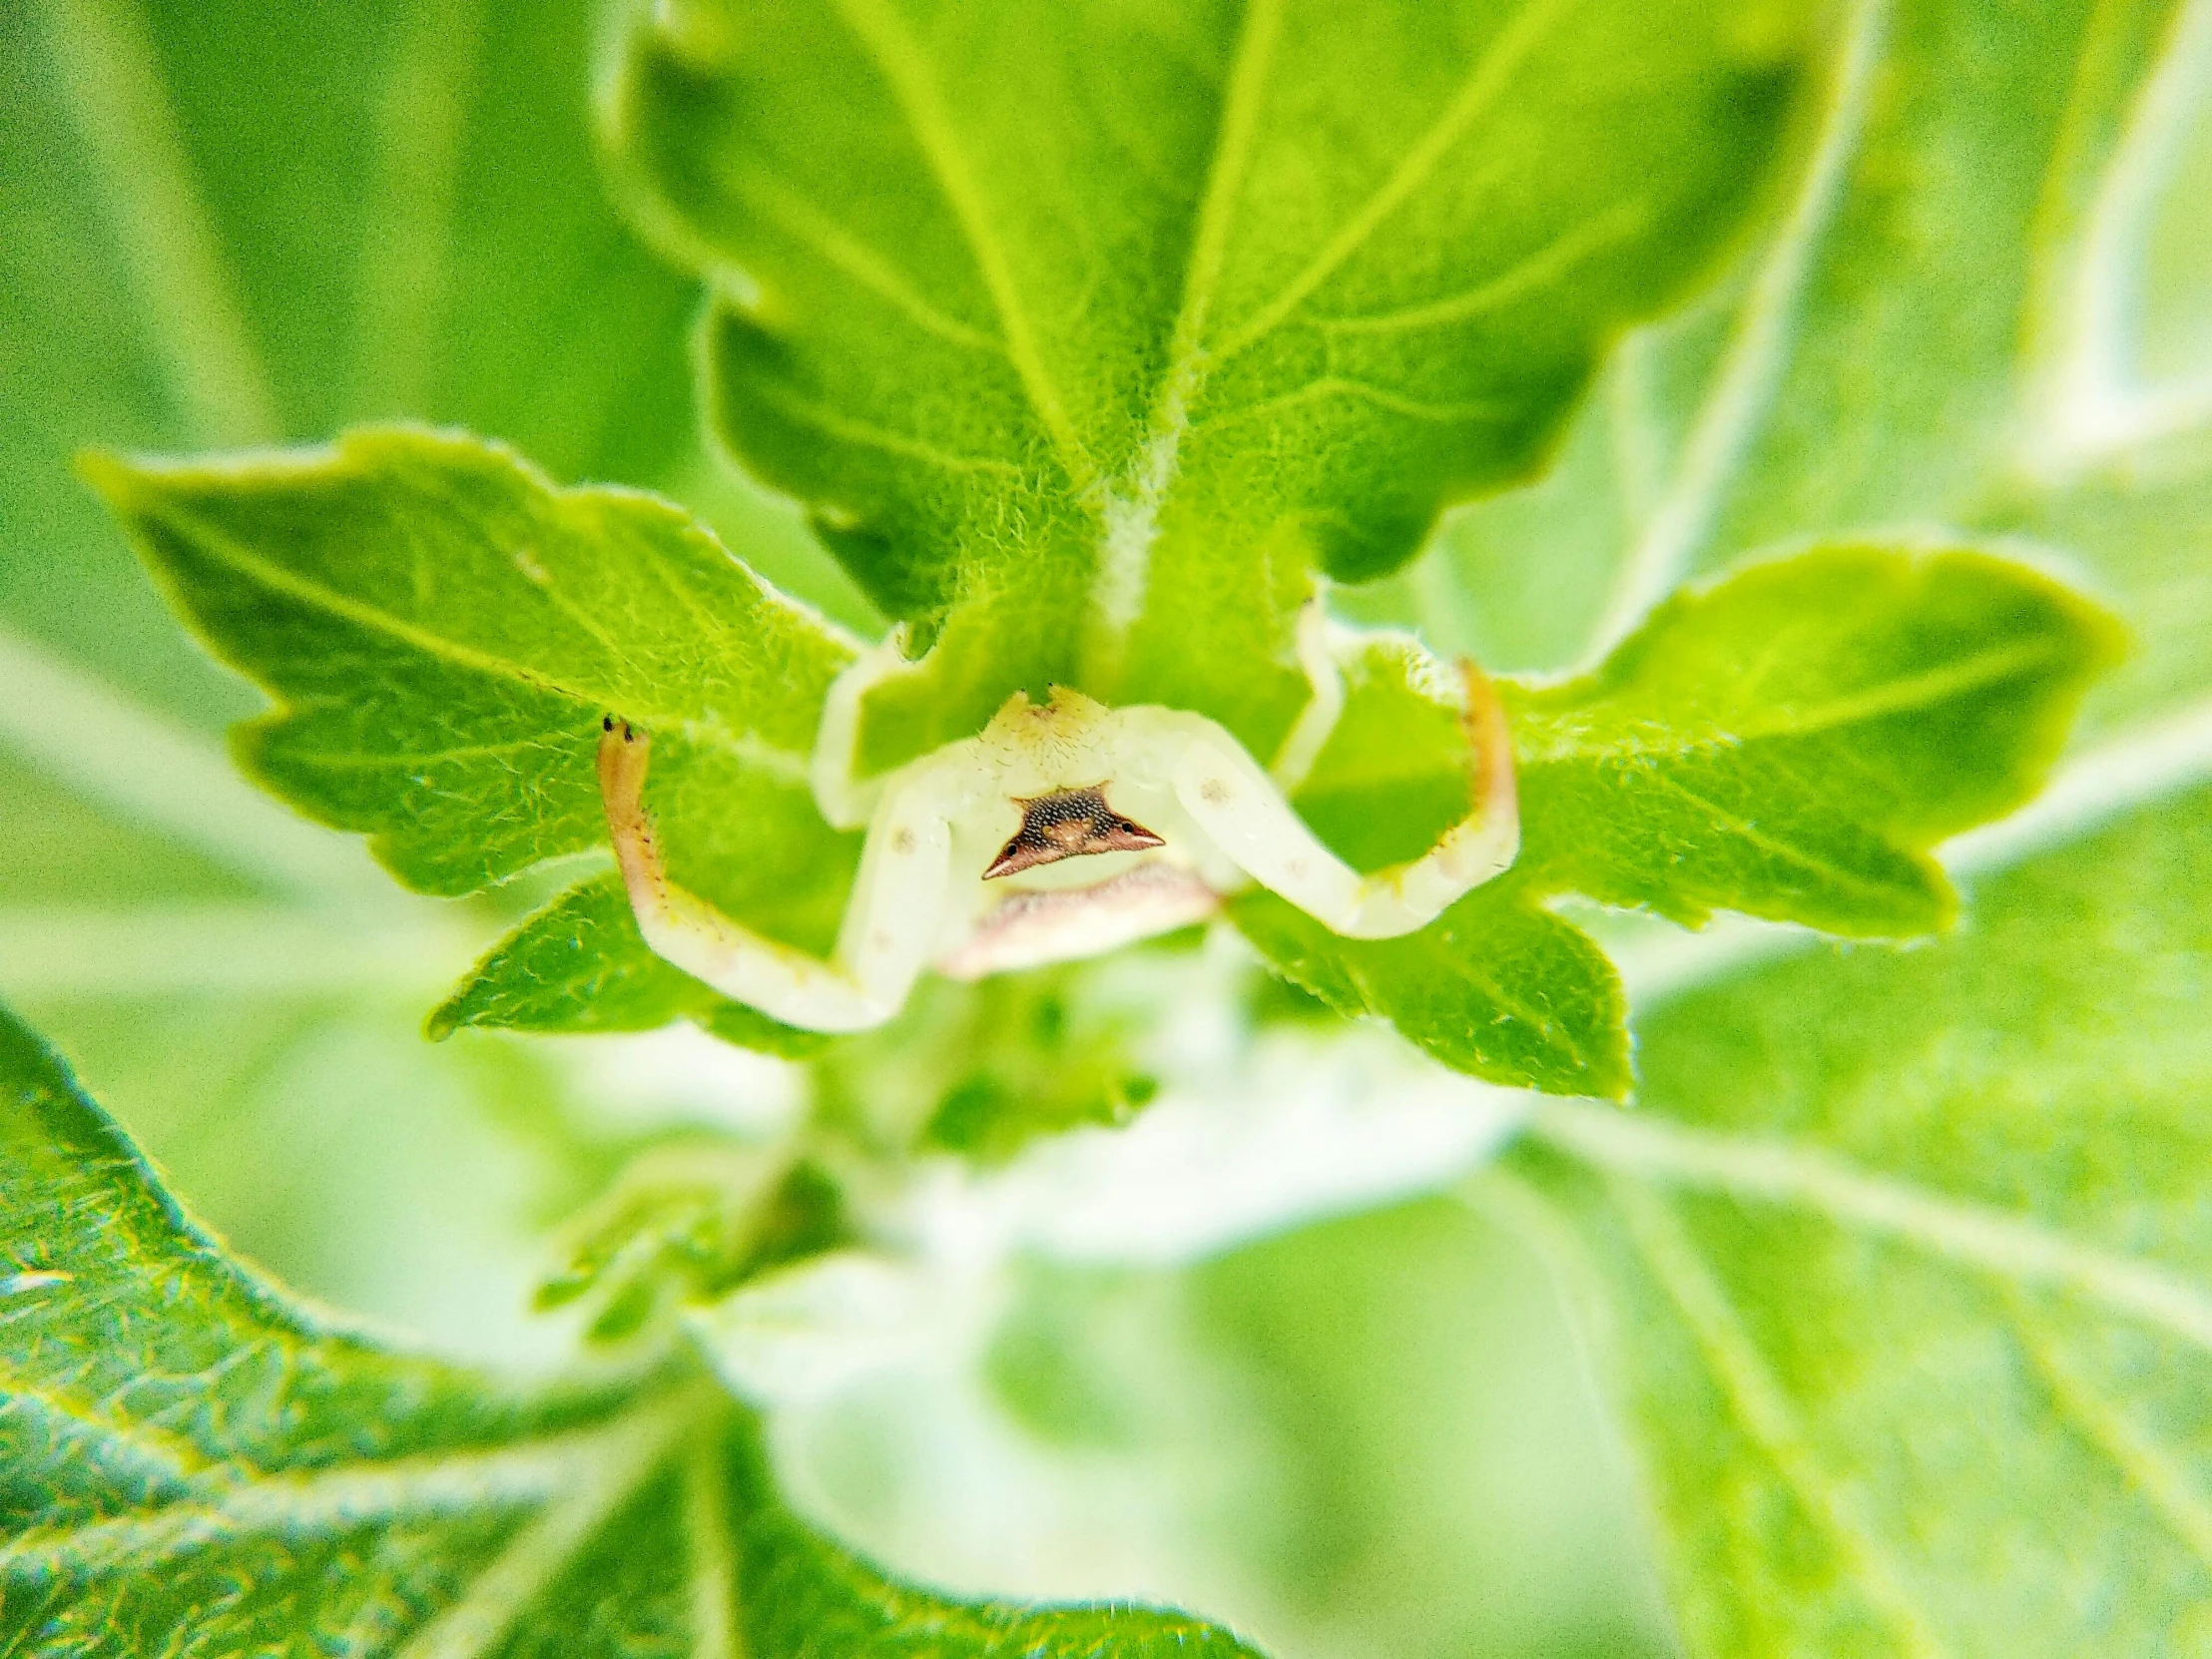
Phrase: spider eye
(1071,823)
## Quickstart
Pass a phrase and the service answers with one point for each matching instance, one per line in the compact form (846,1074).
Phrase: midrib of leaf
(899,58)
(2055,225)
(1130,520)
(195,324)
(421,121)
(477,1623)
(1763,1407)
(2144,1463)
(458,1484)
(1757,353)
(1917,690)
(150,1445)
(744,745)
(107,747)
(2005,1248)
(1492,74)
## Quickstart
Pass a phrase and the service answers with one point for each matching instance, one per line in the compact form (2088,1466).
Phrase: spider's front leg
(1238,806)
(890,922)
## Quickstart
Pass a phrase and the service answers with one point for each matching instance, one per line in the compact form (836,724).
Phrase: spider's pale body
(1060,831)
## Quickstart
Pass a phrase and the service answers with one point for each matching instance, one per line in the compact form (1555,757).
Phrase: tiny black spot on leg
(606,723)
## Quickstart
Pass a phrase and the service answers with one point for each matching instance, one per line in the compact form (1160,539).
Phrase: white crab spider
(1056,832)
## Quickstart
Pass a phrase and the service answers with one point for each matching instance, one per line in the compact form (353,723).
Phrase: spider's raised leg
(1240,808)
(890,923)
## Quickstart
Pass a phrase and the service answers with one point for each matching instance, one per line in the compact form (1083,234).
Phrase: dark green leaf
(580,965)
(189,1463)
(1495,987)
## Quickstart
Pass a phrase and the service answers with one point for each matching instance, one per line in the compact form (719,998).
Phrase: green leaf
(495,621)
(1787,743)
(498,620)
(1938,328)
(1790,742)
(1089,334)
(580,965)
(1903,1274)
(192,1463)
(1495,987)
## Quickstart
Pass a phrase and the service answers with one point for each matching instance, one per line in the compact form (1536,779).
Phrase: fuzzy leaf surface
(580,965)
(1497,986)
(1789,742)
(495,621)
(1091,333)
(194,1464)
(1908,1255)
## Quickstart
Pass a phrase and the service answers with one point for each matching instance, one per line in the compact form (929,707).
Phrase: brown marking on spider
(1069,824)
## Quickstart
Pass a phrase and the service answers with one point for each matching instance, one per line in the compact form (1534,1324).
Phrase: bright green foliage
(498,622)
(1497,986)
(233,223)
(1787,743)
(1089,332)
(1790,742)
(1906,1273)
(191,1465)
(421,235)
(1917,338)
(580,965)
(1897,1263)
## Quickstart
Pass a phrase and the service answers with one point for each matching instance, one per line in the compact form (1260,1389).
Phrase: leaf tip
(113,476)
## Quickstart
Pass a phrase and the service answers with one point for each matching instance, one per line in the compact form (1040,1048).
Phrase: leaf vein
(1554,260)
(1493,71)
(374,619)
(855,430)
(2009,1248)
(803,220)
(1758,352)
(2144,1466)
(1759,1402)
(897,56)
